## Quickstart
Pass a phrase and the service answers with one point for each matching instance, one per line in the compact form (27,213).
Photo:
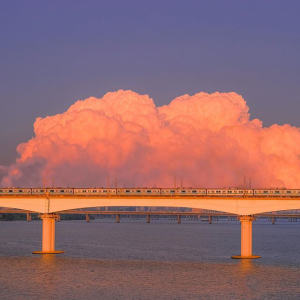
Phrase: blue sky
(55,52)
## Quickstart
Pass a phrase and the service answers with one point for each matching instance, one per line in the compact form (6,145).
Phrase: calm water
(161,260)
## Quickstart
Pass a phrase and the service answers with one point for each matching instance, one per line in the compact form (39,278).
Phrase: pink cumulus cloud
(207,139)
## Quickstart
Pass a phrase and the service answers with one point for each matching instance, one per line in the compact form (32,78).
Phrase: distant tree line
(23,217)
(17,217)
(74,217)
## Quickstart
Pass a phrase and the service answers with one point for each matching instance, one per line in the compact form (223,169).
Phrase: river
(160,260)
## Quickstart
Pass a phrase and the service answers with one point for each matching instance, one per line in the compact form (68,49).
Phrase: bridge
(245,208)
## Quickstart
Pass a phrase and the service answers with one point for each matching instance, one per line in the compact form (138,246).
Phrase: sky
(53,53)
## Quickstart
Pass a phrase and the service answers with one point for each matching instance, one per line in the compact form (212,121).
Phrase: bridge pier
(209,219)
(148,218)
(87,218)
(246,238)
(273,220)
(117,218)
(179,219)
(28,217)
(48,239)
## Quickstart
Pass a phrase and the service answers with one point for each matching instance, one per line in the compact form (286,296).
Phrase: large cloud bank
(207,139)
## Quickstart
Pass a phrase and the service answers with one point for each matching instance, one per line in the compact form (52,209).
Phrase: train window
(1,191)
(266,192)
(104,191)
(148,191)
(127,191)
(194,191)
(20,191)
(288,192)
(276,192)
(51,191)
(172,191)
(138,191)
(62,191)
(10,191)
(182,191)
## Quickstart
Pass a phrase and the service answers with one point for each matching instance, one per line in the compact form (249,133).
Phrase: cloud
(207,139)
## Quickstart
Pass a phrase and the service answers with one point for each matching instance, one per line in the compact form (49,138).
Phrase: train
(182,191)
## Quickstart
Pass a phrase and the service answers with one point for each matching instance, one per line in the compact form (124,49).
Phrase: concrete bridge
(245,208)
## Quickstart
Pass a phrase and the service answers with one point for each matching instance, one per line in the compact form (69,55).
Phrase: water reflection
(48,260)
(246,266)
(136,261)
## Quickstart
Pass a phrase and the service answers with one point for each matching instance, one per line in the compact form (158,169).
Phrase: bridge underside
(238,206)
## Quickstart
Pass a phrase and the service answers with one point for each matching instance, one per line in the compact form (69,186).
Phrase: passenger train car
(186,191)
(15,191)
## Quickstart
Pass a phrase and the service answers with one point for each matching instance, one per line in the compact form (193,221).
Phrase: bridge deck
(231,205)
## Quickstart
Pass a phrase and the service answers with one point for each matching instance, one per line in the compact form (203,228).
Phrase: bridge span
(244,207)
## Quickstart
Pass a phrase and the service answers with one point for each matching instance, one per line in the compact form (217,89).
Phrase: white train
(280,192)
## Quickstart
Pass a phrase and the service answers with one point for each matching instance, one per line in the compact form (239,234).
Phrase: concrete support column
(87,218)
(179,219)
(148,218)
(28,217)
(117,218)
(246,238)
(209,219)
(273,220)
(48,239)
